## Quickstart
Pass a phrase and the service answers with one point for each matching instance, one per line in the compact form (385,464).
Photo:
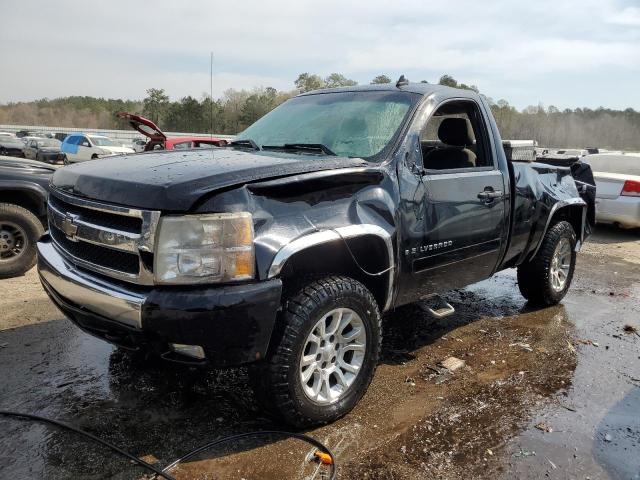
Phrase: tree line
(237,109)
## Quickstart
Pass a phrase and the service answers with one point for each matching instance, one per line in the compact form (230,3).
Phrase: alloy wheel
(333,356)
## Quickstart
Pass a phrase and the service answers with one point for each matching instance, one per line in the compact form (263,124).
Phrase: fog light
(194,351)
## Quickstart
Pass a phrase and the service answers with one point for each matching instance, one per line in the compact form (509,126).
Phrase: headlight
(204,248)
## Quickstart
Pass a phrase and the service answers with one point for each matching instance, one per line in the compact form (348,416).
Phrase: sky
(566,53)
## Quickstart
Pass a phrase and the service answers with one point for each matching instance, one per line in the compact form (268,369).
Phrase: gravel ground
(543,393)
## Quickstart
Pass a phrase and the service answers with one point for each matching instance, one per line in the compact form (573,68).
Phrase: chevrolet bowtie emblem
(69,228)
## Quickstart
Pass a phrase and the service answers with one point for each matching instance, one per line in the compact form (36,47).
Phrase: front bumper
(52,157)
(232,324)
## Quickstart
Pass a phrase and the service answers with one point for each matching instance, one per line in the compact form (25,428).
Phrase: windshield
(48,143)
(103,142)
(351,124)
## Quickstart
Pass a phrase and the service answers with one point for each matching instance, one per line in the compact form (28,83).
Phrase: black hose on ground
(66,426)
(163,473)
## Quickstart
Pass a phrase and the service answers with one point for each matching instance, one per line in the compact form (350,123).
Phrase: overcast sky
(568,53)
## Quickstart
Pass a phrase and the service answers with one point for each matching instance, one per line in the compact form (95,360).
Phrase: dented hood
(175,180)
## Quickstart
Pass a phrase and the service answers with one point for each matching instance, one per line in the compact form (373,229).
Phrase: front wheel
(545,280)
(323,354)
(19,231)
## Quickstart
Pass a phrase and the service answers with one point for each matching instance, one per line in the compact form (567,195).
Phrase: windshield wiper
(302,147)
(245,142)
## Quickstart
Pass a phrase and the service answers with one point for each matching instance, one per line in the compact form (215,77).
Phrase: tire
(542,281)
(278,381)
(19,231)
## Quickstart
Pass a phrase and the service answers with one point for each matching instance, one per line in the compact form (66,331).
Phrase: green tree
(306,82)
(338,80)
(258,104)
(155,104)
(448,81)
(380,79)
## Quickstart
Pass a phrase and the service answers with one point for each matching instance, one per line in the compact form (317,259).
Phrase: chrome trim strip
(340,233)
(108,300)
(91,233)
(558,205)
(94,205)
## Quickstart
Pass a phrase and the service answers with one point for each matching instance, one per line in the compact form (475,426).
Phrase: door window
(84,142)
(454,138)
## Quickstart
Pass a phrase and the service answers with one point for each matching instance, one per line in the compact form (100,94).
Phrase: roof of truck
(419,88)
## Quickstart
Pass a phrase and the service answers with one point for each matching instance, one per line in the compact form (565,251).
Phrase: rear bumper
(232,324)
(622,210)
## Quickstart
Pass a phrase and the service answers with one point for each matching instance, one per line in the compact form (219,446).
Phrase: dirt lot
(551,392)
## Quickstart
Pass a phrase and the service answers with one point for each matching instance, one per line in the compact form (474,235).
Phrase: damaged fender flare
(560,204)
(341,233)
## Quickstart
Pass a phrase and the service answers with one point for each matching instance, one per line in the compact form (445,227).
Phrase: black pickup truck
(23,212)
(283,248)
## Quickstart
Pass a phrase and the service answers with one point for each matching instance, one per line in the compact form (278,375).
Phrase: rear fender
(574,211)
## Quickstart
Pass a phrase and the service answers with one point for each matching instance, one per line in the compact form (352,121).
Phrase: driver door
(459,206)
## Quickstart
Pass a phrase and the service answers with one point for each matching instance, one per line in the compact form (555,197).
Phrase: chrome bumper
(85,291)
(622,210)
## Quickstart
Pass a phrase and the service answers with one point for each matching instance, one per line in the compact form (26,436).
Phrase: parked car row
(74,147)
(79,147)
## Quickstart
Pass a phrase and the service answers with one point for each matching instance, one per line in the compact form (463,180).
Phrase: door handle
(489,195)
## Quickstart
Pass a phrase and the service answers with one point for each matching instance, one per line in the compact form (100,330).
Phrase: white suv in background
(79,147)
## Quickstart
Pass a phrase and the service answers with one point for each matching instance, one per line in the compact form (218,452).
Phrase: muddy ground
(551,393)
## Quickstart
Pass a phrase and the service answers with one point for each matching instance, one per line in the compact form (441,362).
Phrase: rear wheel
(323,354)
(547,277)
(19,231)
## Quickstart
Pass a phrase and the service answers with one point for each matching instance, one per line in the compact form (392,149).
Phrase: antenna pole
(211,95)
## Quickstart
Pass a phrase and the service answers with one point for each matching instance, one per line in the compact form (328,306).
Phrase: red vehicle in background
(159,141)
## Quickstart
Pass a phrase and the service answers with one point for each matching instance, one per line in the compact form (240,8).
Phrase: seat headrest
(456,131)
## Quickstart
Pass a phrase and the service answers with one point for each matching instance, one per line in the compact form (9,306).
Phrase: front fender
(341,234)
(36,192)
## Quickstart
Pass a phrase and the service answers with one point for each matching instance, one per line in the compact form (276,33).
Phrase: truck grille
(108,239)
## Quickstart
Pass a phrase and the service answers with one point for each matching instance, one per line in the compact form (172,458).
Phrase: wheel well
(362,258)
(30,201)
(571,214)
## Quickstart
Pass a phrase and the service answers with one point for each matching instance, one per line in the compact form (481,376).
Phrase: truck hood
(173,181)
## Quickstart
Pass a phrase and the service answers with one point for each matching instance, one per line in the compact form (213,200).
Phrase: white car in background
(79,147)
(617,188)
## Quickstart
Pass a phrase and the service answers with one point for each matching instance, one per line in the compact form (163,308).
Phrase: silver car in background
(617,188)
